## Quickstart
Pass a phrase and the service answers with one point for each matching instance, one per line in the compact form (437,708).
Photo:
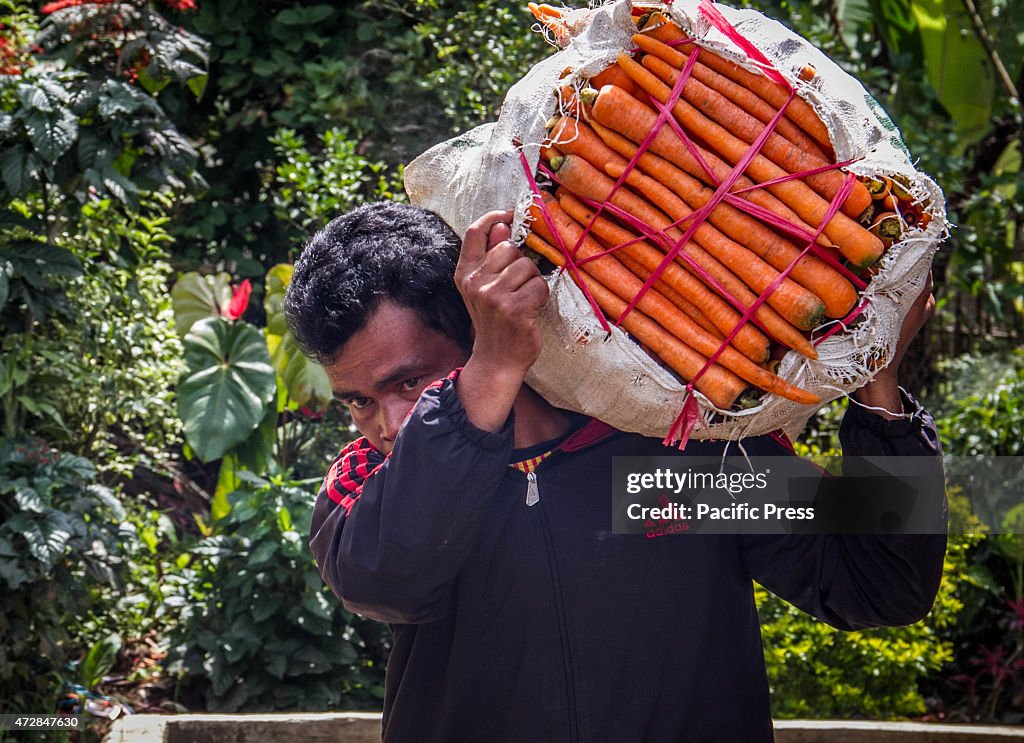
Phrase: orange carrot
(879,188)
(620,111)
(669,146)
(887,226)
(543,12)
(718,384)
(613,75)
(716,124)
(749,341)
(836,292)
(549,151)
(739,95)
(549,16)
(569,100)
(577,138)
(659,285)
(798,111)
(738,122)
(610,273)
(670,294)
(583,179)
(797,305)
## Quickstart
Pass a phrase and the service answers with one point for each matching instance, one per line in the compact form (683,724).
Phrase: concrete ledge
(862,731)
(364,727)
(336,727)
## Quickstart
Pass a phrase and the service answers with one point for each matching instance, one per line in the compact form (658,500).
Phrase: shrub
(259,629)
(60,544)
(817,671)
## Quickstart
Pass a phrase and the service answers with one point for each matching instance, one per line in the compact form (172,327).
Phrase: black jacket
(536,624)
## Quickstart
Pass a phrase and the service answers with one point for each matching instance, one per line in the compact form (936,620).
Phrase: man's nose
(394,414)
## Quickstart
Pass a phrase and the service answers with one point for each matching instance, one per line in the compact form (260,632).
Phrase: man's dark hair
(374,253)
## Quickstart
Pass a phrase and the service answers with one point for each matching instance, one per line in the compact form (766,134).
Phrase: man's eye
(358,403)
(410,384)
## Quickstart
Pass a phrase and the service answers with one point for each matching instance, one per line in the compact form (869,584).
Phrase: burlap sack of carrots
(738,228)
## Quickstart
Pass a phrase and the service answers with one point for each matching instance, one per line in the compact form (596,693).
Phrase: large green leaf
(304,379)
(898,26)
(256,453)
(227,483)
(116,184)
(46,537)
(52,134)
(230,381)
(854,16)
(278,279)
(305,16)
(42,94)
(196,297)
(957,65)
(16,168)
(35,261)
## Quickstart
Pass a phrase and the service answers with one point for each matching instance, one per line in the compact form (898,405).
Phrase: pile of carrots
(623,235)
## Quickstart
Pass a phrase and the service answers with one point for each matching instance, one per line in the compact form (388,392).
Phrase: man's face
(384,366)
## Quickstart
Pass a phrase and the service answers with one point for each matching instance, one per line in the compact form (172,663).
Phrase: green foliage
(83,151)
(259,630)
(98,374)
(89,136)
(980,405)
(958,68)
(98,661)
(197,297)
(304,380)
(817,671)
(483,49)
(246,396)
(31,272)
(118,361)
(229,383)
(398,76)
(310,188)
(979,402)
(60,539)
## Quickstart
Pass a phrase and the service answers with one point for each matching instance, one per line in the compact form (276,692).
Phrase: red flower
(62,4)
(239,301)
(313,415)
(182,5)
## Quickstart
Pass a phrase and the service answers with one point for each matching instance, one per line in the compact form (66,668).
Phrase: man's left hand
(882,393)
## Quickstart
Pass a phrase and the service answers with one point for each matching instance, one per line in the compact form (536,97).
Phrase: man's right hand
(504,293)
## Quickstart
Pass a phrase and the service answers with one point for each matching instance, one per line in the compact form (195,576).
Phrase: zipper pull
(532,494)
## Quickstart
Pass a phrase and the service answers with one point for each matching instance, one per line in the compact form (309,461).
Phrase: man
(475,518)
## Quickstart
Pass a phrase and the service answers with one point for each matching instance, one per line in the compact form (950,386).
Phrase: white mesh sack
(608,376)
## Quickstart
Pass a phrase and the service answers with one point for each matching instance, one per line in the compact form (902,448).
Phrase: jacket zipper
(563,630)
(532,493)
